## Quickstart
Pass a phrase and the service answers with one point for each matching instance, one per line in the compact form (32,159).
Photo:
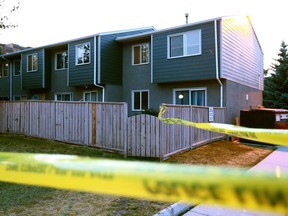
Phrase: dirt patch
(224,153)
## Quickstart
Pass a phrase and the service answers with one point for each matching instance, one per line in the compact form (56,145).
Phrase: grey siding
(4,87)
(33,80)
(81,74)
(137,77)
(238,97)
(200,67)
(242,57)
(111,57)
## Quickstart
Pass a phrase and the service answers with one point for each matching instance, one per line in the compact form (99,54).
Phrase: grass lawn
(30,200)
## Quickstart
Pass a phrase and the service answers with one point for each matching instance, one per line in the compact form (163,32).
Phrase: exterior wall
(199,67)
(81,74)
(35,79)
(137,77)
(240,97)
(111,57)
(4,87)
(242,57)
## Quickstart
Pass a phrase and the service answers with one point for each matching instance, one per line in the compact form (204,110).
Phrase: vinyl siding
(242,57)
(32,80)
(189,68)
(112,57)
(81,74)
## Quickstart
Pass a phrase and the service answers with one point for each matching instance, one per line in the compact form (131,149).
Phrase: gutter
(98,66)
(217,64)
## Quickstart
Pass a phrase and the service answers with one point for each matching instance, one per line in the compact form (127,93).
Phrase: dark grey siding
(81,74)
(32,80)
(238,97)
(111,57)
(47,67)
(199,67)
(4,87)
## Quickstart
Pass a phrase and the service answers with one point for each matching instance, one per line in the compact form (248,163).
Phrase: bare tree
(5,14)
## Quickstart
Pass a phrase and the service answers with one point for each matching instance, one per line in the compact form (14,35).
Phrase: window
(63,97)
(140,100)
(4,70)
(91,96)
(32,62)
(140,54)
(195,97)
(185,44)
(61,60)
(83,54)
(17,68)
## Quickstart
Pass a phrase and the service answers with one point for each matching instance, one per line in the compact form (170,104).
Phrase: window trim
(76,53)
(136,45)
(184,44)
(2,70)
(55,58)
(132,99)
(190,90)
(96,91)
(63,93)
(33,70)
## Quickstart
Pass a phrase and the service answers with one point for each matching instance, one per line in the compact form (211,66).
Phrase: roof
(76,39)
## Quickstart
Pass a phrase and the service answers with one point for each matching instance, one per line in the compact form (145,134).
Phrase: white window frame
(33,69)
(140,57)
(63,93)
(2,74)
(184,44)
(132,96)
(190,90)
(76,54)
(64,68)
(85,92)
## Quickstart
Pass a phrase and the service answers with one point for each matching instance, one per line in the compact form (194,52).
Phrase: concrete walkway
(277,158)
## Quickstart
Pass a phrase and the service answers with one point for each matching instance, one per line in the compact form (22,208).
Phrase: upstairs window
(83,54)
(32,62)
(61,60)
(196,97)
(4,70)
(140,100)
(17,68)
(140,54)
(184,44)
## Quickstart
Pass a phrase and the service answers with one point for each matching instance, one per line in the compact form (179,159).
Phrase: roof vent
(186,15)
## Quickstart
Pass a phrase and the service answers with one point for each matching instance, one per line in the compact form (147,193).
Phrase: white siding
(242,57)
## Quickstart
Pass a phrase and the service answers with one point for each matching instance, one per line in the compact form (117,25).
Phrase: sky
(43,22)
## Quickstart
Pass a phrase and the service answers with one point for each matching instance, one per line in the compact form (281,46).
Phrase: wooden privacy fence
(107,126)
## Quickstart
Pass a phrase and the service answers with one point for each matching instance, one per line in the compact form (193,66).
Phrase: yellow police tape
(271,136)
(147,180)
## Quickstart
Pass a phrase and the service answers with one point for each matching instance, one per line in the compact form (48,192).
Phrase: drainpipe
(217,64)
(10,78)
(99,66)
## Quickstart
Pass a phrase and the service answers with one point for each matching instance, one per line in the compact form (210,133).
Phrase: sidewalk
(278,158)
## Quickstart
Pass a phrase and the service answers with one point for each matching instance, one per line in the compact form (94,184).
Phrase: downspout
(98,66)
(10,78)
(217,64)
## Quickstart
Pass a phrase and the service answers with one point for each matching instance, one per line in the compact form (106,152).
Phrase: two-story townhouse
(217,62)
(82,69)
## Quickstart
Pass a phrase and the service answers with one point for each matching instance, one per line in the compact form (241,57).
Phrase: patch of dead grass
(224,153)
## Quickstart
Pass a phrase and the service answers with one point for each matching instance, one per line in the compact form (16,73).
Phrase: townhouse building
(216,62)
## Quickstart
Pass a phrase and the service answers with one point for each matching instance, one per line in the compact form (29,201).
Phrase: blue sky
(42,22)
